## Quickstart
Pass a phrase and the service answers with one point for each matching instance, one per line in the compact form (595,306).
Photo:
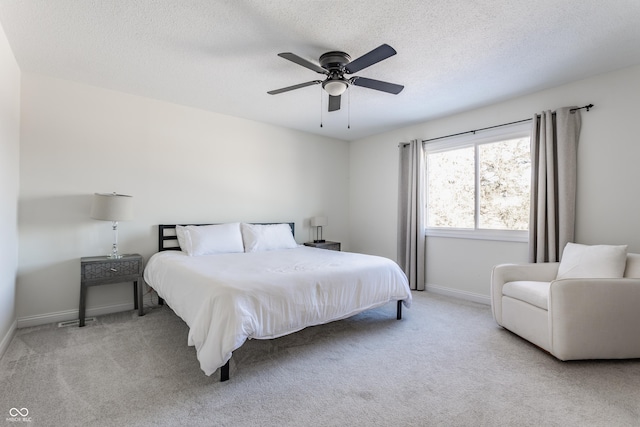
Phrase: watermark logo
(19,415)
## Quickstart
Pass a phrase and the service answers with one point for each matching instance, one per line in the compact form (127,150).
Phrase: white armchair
(570,318)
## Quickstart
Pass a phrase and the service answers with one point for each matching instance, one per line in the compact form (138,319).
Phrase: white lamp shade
(335,87)
(112,207)
(319,221)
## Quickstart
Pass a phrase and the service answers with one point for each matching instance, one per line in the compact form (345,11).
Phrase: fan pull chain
(320,106)
(349,110)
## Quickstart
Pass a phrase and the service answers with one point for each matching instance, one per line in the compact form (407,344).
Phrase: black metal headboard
(168,240)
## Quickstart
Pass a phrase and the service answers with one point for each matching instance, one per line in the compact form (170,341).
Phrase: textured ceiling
(453,55)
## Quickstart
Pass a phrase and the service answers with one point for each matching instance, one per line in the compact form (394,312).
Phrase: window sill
(499,235)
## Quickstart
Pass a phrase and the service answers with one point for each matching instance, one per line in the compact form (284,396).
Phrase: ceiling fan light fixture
(335,87)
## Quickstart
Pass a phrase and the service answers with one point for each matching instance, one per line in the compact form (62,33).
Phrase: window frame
(474,140)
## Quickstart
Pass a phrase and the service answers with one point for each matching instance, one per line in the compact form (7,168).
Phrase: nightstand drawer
(332,246)
(105,270)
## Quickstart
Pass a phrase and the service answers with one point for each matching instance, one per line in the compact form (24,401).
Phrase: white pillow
(210,239)
(596,261)
(258,237)
(184,241)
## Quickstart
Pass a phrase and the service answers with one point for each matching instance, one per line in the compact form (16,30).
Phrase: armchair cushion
(592,261)
(534,293)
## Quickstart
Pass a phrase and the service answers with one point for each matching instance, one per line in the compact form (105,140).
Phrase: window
(478,186)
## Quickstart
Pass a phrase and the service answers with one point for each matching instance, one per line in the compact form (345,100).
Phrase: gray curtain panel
(554,152)
(411,205)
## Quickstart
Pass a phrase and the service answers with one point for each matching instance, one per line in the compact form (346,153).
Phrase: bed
(233,282)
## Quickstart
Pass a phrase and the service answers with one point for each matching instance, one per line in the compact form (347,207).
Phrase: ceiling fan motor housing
(334,61)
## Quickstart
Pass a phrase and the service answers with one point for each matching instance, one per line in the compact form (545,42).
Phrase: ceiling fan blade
(294,87)
(301,61)
(334,103)
(376,55)
(377,85)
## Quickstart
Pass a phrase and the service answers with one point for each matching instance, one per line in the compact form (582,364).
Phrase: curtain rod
(587,107)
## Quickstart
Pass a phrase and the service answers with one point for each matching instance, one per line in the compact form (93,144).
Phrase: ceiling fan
(335,65)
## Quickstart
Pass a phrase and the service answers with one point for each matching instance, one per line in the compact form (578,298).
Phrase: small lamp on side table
(319,222)
(112,207)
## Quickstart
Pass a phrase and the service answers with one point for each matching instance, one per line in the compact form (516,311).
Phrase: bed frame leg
(224,372)
(399,317)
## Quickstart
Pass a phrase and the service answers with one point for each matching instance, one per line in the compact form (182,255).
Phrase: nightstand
(332,246)
(102,270)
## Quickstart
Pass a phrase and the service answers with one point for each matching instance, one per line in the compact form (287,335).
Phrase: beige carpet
(446,363)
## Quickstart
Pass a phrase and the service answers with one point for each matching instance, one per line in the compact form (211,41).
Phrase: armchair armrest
(595,318)
(505,273)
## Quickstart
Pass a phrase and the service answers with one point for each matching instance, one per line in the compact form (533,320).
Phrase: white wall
(9,184)
(608,172)
(180,164)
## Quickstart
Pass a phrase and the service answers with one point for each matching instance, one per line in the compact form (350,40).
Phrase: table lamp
(112,207)
(319,222)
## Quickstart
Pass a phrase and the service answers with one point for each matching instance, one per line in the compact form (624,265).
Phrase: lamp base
(319,241)
(114,248)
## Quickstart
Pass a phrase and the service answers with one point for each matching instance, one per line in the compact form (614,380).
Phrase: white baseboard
(6,340)
(63,316)
(457,293)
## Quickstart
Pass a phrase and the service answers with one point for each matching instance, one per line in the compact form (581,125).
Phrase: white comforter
(227,298)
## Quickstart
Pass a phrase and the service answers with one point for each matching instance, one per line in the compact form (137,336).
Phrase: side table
(102,270)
